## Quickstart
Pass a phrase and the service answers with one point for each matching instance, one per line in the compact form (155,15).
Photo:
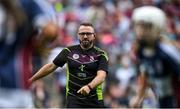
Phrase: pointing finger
(79,90)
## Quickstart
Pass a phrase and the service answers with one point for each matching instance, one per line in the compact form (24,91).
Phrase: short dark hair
(86,24)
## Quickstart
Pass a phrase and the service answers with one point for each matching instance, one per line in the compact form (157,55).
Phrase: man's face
(86,36)
(146,32)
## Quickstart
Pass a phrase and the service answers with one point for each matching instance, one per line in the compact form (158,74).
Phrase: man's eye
(88,34)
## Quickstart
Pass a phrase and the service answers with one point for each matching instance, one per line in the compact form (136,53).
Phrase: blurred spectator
(157,60)
(21,21)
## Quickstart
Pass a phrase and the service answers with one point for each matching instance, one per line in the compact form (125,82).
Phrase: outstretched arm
(45,70)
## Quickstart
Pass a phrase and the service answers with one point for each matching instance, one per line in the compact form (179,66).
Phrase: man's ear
(94,35)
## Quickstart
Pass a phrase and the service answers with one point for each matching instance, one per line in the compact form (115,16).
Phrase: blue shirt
(15,52)
(159,66)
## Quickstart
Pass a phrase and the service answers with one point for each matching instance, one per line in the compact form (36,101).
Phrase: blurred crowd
(112,21)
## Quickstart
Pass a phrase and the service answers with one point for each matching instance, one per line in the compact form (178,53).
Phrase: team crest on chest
(75,56)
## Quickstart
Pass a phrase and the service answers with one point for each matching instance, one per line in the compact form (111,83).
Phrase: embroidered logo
(82,75)
(75,56)
(82,67)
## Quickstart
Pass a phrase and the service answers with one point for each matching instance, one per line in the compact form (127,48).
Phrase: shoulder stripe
(67,49)
(103,54)
(98,49)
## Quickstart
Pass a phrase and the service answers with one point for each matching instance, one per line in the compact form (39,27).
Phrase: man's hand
(84,90)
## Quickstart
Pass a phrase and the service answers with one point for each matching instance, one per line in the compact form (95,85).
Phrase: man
(87,67)
(20,22)
(155,61)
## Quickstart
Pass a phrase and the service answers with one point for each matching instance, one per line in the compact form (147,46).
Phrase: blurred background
(112,21)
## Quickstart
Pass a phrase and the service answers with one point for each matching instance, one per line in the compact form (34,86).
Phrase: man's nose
(85,36)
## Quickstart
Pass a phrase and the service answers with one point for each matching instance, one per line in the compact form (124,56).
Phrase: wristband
(89,87)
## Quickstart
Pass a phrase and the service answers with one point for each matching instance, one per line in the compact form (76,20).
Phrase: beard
(86,43)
